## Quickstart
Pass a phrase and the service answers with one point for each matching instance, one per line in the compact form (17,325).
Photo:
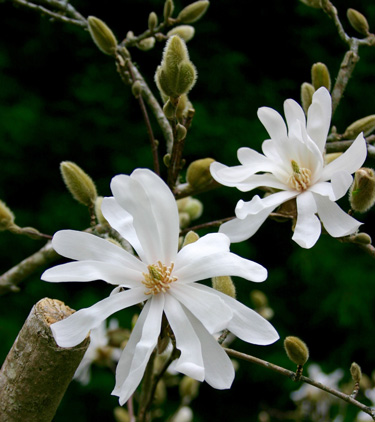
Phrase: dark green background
(61,99)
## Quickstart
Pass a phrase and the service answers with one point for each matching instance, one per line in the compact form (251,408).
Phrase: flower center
(158,278)
(300,180)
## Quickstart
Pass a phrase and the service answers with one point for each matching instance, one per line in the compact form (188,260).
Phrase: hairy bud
(320,76)
(146,44)
(79,184)
(6,217)
(307,92)
(296,350)
(224,284)
(152,21)
(168,9)
(193,11)
(356,372)
(102,36)
(362,191)
(186,32)
(198,174)
(358,21)
(363,238)
(365,125)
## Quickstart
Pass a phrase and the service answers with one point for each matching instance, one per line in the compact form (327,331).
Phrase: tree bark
(37,372)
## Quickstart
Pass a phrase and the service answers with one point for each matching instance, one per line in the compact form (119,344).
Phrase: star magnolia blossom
(144,211)
(293,165)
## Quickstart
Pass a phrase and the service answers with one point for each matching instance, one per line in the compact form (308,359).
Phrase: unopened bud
(188,387)
(365,125)
(6,217)
(190,237)
(198,174)
(98,211)
(180,132)
(169,110)
(79,184)
(194,208)
(363,239)
(258,298)
(121,414)
(356,372)
(102,36)
(316,4)
(307,92)
(167,159)
(296,350)
(186,32)
(152,21)
(193,11)
(136,88)
(320,76)
(362,191)
(168,9)
(358,21)
(224,284)
(146,44)
(184,219)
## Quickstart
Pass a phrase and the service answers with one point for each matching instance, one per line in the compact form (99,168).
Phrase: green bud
(186,32)
(320,76)
(146,44)
(79,184)
(365,125)
(180,132)
(152,21)
(198,174)
(102,36)
(362,191)
(168,9)
(188,387)
(184,219)
(307,92)
(6,217)
(169,110)
(190,237)
(224,284)
(296,350)
(356,372)
(358,21)
(98,211)
(316,4)
(363,238)
(258,298)
(194,208)
(167,160)
(137,88)
(193,11)
(121,414)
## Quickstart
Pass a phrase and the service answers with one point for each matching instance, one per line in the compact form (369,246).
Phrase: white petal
(190,361)
(350,161)
(341,182)
(319,117)
(258,180)
(255,161)
(208,307)
(229,176)
(219,372)
(247,324)
(154,210)
(73,330)
(137,352)
(294,116)
(94,270)
(269,202)
(122,221)
(308,227)
(337,222)
(273,122)
(85,246)
(324,189)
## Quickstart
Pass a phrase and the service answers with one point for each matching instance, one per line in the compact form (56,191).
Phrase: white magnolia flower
(144,212)
(293,165)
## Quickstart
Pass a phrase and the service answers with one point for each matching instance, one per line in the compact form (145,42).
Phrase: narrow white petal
(255,161)
(247,324)
(269,202)
(308,227)
(230,176)
(85,246)
(294,116)
(190,361)
(337,222)
(219,371)
(73,330)
(324,189)
(273,122)
(319,117)
(341,182)
(122,221)
(154,210)
(208,307)
(137,352)
(94,270)
(350,161)
(257,180)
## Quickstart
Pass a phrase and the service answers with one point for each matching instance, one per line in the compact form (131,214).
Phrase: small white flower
(144,211)
(293,165)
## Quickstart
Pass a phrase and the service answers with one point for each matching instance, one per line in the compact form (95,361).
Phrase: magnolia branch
(292,375)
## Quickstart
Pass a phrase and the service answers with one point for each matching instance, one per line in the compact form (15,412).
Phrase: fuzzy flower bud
(363,238)
(188,387)
(362,191)
(296,350)
(152,21)
(146,44)
(190,237)
(6,217)
(358,21)
(365,125)
(198,174)
(224,284)
(307,92)
(193,11)
(356,372)
(168,9)
(102,36)
(79,184)
(186,32)
(320,76)
(98,211)
(258,298)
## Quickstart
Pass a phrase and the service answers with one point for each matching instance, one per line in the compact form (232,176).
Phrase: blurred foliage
(61,99)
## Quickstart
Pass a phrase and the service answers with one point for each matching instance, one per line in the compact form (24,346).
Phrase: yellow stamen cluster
(300,180)
(158,278)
